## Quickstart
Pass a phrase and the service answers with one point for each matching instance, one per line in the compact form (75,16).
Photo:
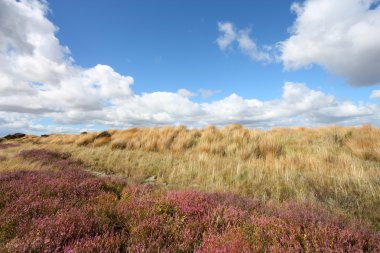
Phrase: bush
(69,210)
(7,145)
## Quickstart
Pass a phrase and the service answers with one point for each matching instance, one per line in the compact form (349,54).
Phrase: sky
(76,65)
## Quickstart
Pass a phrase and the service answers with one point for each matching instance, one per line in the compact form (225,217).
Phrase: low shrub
(70,210)
(7,145)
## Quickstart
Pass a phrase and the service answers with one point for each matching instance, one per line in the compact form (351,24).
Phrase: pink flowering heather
(7,145)
(49,157)
(68,210)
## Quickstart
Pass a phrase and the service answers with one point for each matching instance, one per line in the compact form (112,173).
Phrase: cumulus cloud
(341,35)
(230,35)
(42,89)
(299,105)
(37,73)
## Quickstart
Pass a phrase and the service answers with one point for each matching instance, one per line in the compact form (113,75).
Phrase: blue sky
(168,45)
(152,50)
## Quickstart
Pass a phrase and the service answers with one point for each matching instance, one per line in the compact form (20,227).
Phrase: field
(175,189)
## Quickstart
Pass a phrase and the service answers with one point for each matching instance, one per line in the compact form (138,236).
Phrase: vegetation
(62,208)
(307,189)
(335,167)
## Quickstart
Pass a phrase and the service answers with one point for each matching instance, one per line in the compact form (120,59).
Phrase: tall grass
(62,208)
(336,167)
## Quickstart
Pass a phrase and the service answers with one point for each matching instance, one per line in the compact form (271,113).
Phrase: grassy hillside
(62,208)
(334,170)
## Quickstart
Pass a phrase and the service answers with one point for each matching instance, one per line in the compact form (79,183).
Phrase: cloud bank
(43,90)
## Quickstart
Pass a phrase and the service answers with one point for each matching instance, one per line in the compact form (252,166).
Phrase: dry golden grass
(102,141)
(337,167)
(11,162)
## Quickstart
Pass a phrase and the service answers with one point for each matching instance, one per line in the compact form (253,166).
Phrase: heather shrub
(44,211)
(53,232)
(69,210)
(43,155)
(106,243)
(231,241)
(7,145)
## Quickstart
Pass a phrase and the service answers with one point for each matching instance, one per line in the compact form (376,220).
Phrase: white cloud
(40,81)
(186,93)
(341,35)
(229,35)
(249,47)
(204,93)
(299,105)
(37,74)
(375,94)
